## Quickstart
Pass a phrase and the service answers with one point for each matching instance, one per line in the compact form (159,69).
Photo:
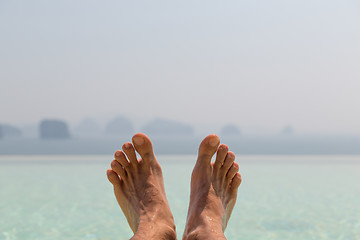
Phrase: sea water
(281,197)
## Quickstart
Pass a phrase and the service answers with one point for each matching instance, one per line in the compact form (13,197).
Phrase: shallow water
(287,197)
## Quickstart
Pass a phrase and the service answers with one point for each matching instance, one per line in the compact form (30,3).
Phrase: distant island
(118,126)
(54,129)
(7,130)
(287,130)
(163,127)
(230,130)
(87,128)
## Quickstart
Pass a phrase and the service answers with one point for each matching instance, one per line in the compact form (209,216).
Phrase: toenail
(138,140)
(117,154)
(127,145)
(213,142)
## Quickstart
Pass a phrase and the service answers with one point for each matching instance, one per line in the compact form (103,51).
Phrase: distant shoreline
(292,145)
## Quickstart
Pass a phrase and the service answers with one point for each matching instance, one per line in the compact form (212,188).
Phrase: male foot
(213,191)
(139,190)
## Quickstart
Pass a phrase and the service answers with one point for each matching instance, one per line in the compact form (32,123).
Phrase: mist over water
(53,136)
(261,65)
(307,145)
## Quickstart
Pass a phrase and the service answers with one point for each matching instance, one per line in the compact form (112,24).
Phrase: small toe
(143,146)
(121,158)
(207,149)
(130,153)
(113,177)
(229,159)
(220,156)
(117,168)
(235,182)
(232,171)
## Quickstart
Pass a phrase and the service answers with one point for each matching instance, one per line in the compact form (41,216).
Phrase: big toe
(207,149)
(143,146)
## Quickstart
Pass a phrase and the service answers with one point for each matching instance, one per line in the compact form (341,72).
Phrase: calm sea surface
(281,197)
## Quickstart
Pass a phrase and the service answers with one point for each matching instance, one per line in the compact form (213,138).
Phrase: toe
(229,159)
(220,156)
(143,146)
(207,149)
(121,158)
(235,182)
(130,153)
(117,168)
(113,177)
(232,171)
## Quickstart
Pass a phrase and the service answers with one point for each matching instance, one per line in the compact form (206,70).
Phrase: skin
(213,191)
(139,189)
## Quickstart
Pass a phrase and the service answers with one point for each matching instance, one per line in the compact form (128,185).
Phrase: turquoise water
(287,197)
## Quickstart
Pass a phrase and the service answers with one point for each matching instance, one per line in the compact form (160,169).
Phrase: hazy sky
(259,64)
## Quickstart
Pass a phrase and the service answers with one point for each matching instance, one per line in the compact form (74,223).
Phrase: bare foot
(213,191)
(139,190)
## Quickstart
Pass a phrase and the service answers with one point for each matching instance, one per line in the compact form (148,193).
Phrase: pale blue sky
(258,64)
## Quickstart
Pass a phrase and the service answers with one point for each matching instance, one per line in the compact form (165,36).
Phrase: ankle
(155,230)
(204,228)
(203,232)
